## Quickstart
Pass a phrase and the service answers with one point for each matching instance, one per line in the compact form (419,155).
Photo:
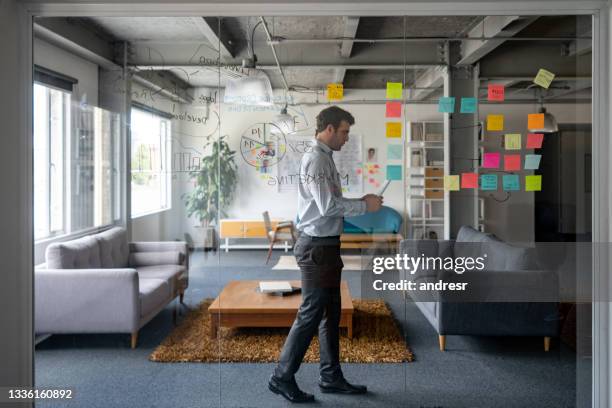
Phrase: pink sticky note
(534,140)
(512,162)
(469,180)
(496,93)
(394,110)
(491,160)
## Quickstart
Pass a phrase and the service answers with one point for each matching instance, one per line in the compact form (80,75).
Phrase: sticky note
(533,183)
(513,141)
(495,122)
(394,90)
(394,172)
(393,110)
(335,92)
(451,183)
(512,162)
(488,182)
(534,140)
(491,160)
(544,78)
(468,105)
(535,121)
(510,182)
(394,129)
(394,152)
(469,180)
(532,161)
(496,93)
(446,104)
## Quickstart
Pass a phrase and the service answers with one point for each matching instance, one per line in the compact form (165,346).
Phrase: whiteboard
(348,162)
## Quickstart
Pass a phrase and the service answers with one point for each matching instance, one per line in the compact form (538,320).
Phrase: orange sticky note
(512,162)
(394,129)
(535,121)
(394,110)
(495,122)
(469,180)
(534,140)
(496,93)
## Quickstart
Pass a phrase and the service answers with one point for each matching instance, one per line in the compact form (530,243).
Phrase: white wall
(512,220)
(63,62)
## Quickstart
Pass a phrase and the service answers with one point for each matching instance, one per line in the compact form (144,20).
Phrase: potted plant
(214,185)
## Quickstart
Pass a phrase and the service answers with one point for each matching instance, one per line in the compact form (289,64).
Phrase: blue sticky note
(511,182)
(446,104)
(394,172)
(468,105)
(394,152)
(488,182)
(532,161)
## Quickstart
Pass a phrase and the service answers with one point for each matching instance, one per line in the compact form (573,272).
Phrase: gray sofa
(510,273)
(102,284)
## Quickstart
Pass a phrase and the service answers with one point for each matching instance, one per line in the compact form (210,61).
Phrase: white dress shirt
(321,207)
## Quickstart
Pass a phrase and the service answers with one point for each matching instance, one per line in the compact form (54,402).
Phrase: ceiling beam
(346,47)
(428,83)
(210,28)
(492,26)
(581,46)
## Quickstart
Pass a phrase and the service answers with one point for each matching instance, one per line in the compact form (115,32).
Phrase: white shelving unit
(427,203)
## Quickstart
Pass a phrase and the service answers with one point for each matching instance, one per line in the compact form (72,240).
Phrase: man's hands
(373,202)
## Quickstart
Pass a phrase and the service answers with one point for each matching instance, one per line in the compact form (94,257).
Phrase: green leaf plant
(214,183)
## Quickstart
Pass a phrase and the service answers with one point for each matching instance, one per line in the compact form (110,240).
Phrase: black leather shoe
(289,390)
(341,386)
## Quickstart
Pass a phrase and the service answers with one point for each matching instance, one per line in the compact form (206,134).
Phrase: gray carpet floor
(473,372)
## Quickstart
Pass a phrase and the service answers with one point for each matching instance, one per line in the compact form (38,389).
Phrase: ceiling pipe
(278,65)
(308,66)
(281,40)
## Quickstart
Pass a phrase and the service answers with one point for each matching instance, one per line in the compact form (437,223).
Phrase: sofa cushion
(114,249)
(156,258)
(169,273)
(81,253)
(153,293)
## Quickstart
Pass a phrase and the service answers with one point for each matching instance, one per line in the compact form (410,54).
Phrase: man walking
(321,209)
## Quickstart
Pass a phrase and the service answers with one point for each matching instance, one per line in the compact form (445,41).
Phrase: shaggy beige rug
(376,339)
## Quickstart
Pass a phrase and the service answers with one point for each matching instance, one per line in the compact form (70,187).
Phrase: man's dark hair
(333,116)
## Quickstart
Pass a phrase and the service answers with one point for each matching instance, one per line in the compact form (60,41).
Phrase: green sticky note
(488,182)
(446,104)
(394,90)
(394,152)
(533,183)
(394,172)
(513,141)
(468,105)
(510,182)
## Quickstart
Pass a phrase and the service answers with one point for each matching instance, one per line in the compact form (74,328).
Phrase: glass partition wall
(192,137)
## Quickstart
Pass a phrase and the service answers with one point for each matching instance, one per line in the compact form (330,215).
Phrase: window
(51,134)
(75,156)
(150,157)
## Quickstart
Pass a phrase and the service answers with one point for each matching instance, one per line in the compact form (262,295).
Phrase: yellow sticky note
(513,141)
(394,129)
(535,121)
(394,90)
(495,122)
(533,183)
(335,92)
(544,78)
(451,183)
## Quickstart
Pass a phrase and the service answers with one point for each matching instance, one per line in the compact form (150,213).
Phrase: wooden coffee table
(363,241)
(240,304)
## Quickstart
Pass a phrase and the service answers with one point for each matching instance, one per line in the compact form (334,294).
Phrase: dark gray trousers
(321,267)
